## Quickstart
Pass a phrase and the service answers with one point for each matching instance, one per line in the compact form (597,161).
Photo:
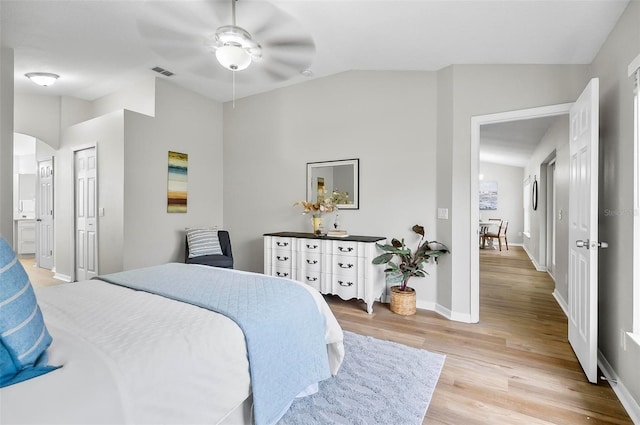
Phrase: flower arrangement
(317,208)
(323,205)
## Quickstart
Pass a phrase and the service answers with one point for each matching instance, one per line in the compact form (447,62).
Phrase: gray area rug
(379,382)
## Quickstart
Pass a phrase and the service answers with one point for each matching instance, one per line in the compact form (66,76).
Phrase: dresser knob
(312,261)
(282,258)
(348,266)
(311,279)
(282,274)
(348,249)
(345,283)
(312,246)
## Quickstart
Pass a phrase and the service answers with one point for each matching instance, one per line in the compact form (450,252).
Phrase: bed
(131,356)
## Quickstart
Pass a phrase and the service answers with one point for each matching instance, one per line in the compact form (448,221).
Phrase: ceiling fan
(186,34)
(234,47)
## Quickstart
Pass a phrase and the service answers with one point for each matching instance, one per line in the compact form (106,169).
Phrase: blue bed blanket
(284,331)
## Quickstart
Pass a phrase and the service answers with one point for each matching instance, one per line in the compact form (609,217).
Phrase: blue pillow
(23,335)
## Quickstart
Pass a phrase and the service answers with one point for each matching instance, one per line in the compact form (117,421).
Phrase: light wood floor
(514,367)
(38,276)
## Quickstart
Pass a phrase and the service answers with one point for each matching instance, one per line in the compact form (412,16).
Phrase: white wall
(386,119)
(509,181)
(107,134)
(138,97)
(6,143)
(616,194)
(38,116)
(185,122)
(132,149)
(557,137)
(481,90)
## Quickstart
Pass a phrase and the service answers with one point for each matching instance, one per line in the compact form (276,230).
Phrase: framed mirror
(334,179)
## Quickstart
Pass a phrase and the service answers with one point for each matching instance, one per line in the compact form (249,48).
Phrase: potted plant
(402,264)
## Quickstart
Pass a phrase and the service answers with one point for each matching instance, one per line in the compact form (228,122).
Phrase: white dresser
(338,266)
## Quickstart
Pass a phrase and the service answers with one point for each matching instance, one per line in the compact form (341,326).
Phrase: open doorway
(476,125)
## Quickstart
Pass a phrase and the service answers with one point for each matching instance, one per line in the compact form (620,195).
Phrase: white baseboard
(443,311)
(533,261)
(630,405)
(561,302)
(62,277)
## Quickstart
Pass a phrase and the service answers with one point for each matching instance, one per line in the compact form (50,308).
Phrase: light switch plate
(443,213)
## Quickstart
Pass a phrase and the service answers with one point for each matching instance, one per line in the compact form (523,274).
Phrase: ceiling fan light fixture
(42,78)
(233,57)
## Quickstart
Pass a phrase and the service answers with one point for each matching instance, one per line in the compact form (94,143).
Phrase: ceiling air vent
(162,71)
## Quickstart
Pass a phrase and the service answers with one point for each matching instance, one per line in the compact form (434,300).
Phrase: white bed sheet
(134,357)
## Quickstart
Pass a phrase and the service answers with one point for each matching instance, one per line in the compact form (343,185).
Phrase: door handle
(582,244)
(585,244)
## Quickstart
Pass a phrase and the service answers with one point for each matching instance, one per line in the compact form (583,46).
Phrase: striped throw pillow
(23,335)
(203,242)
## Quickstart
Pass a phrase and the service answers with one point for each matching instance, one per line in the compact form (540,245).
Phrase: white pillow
(203,242)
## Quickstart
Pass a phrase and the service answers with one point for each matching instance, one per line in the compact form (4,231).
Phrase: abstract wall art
(177,182)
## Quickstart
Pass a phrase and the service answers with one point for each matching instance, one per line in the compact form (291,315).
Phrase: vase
(403,302)
(316,221)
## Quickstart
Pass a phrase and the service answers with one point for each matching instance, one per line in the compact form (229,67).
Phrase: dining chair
(500,235)
(485,229)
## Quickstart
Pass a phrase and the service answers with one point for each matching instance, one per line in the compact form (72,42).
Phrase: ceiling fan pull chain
(233,85)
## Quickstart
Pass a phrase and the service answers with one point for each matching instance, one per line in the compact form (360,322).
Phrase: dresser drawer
(345,248)
(311,261)
(281,244)
(345,266)
(344,287)
(311,278)
(282,258)
(283,272)
(310,245)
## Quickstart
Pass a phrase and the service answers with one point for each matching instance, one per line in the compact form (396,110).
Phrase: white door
(44,216)
(583,229)
(86,231)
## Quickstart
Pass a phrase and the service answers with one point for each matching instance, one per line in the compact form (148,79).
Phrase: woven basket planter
(403,302)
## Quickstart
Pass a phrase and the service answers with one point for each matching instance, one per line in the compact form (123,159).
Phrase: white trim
(634,66)
(561,302)
(618,387)
(443,311)
(537,266)
(476,122)
(62,277)
(636,203)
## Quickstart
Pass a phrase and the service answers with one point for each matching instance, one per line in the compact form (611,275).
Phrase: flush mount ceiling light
(234,47)
(42,78)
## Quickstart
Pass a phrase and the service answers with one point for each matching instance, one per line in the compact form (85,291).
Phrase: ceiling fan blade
(182,16)
(182,33)
(299,43)
(170,44)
